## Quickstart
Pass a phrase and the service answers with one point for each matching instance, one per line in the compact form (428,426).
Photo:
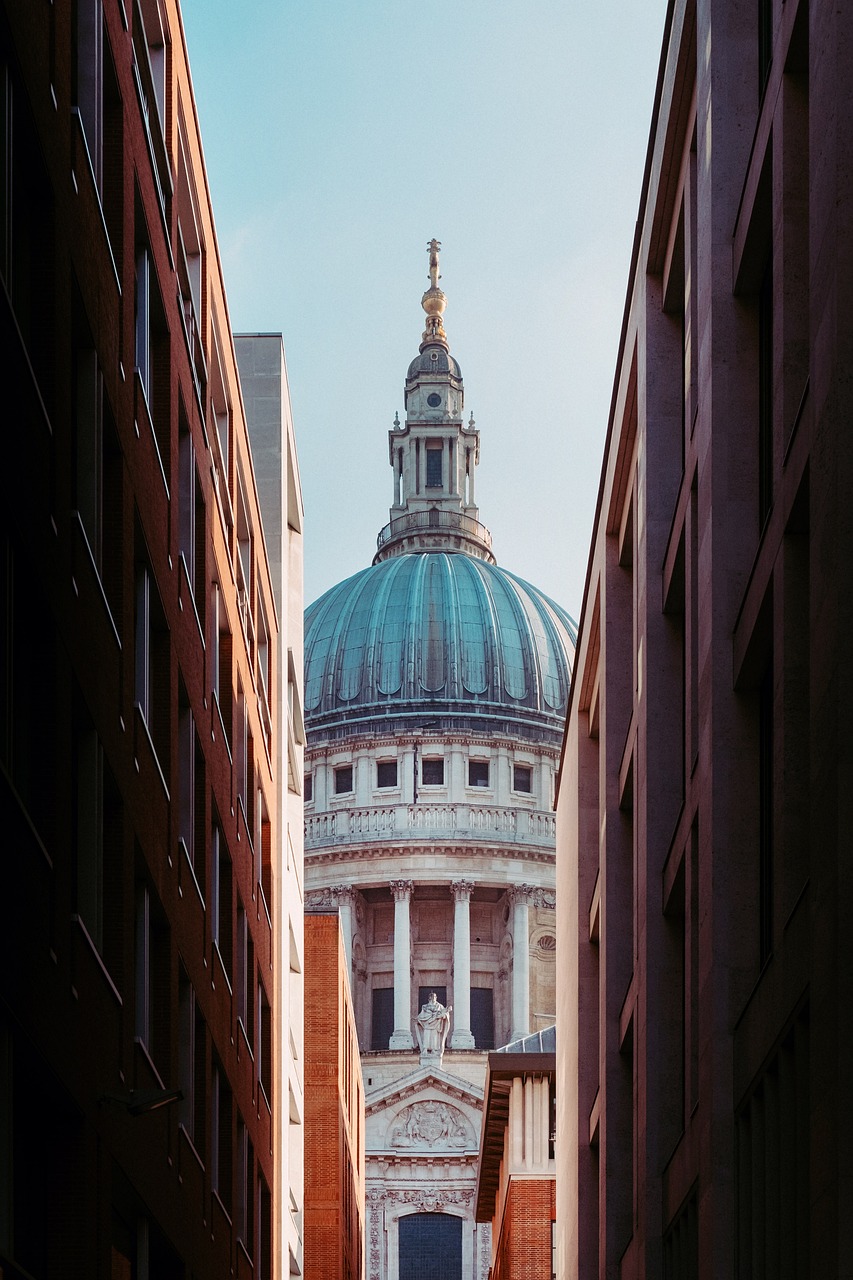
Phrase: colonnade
(520,897)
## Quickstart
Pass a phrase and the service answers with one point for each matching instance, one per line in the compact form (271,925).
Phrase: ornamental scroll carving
(429,1199)
(319,898)
(431,1124)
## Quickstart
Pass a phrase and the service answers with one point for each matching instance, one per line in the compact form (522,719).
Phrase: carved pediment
(422,1079)
(431,1124)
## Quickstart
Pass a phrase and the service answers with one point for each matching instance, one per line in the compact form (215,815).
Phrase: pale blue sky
(339,138)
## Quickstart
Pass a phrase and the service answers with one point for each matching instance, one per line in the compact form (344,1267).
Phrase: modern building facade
(516,1176)
(140,1067)
(435,689)
(266,399)
(704,814)
(334,1109)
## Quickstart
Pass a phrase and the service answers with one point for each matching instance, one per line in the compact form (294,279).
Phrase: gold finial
(434,301)
(433,249)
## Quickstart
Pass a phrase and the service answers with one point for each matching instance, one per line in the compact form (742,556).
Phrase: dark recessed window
(522,778)
(343,779)
(386,773)
(434,400)
(483,1017)
(308,787)
(382,1022)
(432,773)
(433,476)
(478,773)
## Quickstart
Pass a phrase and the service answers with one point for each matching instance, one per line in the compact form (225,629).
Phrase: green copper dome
(439,637)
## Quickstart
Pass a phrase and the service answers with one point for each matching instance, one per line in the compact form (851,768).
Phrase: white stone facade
(263,377)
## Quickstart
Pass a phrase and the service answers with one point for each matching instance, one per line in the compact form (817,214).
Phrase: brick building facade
(334,1109)
(138,681)
(704,812)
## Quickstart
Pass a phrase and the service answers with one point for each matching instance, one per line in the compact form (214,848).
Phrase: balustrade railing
(398,821)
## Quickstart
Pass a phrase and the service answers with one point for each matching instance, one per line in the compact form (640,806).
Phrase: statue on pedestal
(432,1026)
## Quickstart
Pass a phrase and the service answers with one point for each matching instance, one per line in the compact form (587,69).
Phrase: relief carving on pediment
(429,1124)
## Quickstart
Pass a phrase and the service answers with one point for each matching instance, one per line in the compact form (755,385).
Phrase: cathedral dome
(436,635)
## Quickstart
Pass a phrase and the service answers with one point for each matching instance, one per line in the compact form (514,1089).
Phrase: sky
(339,137)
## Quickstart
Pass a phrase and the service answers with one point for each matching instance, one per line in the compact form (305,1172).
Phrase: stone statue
(432,1026)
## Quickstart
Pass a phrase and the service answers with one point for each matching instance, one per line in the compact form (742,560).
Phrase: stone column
(343,895)
(462,1037)
(402,1036)
(520,897)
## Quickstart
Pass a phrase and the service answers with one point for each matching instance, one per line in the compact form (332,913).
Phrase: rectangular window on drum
(386,773)
(432,773)
(478,773)
(343,780)
(522,778)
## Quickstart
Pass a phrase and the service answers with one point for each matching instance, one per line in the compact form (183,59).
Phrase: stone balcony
(533,828)
(442,530)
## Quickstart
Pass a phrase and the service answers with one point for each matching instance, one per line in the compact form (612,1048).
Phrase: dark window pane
(483,1017)
(433,476)
(386,773)
(478,773)
(432,773)
(343,780)
(522,778)
(308,788)
(382,1024)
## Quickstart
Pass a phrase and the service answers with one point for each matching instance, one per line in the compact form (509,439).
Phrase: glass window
(343,780)
(478,773)
(432,773)
(433,475)
(386,773)
(308,788)
(522,778)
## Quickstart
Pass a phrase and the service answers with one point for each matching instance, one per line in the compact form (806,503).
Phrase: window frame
(480,785)
(339,772)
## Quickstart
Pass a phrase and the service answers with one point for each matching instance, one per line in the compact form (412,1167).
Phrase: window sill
(191,1145)
(142,722)
(186,861)
(149,1061)
(76,920)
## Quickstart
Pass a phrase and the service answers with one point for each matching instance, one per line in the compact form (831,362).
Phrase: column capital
(521,894)
(347,892)
(401,889)
(461,890)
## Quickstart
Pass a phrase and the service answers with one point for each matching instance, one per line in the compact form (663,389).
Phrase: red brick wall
(524,1245)
(334,1111)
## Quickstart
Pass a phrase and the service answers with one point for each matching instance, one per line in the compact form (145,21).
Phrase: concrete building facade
(266,399)
(435,687)
(140,1063)
(704,821)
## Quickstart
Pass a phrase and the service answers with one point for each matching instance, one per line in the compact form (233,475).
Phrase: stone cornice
(436,738)
(467,849)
